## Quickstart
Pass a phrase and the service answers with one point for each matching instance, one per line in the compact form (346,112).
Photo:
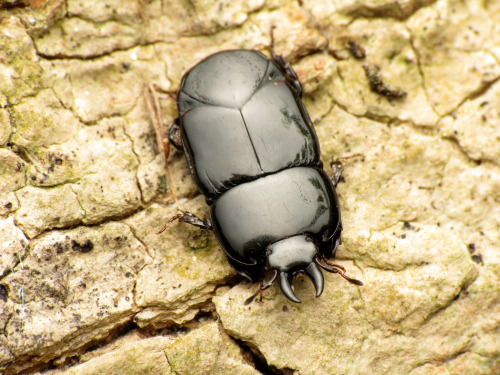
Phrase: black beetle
(253,153)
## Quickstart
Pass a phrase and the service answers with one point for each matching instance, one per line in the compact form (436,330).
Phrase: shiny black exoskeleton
(253,152)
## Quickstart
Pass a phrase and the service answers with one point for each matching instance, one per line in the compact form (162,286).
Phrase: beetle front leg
(263,286)
(190,218)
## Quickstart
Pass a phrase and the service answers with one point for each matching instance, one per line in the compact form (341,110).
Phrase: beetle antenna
(262,287)
(335,268)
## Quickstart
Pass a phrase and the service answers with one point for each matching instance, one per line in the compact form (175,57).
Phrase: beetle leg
(323,258)
(337,168)
(290,75)
(175,134)
(190,218)
(263,286)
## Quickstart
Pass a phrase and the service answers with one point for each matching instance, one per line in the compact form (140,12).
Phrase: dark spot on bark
(14,4)
(162,184)
(59,248)
(471,247)
(19,166)
(85,247)
(407,225)
(378,86)
(4,293)
(478,259)
(356,49)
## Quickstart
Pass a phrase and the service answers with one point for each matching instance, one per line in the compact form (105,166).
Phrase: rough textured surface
(207,350)
(88,286)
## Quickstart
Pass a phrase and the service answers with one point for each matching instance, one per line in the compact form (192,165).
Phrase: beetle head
(291,256)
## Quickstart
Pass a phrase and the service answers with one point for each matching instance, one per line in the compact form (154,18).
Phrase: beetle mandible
(253,153)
